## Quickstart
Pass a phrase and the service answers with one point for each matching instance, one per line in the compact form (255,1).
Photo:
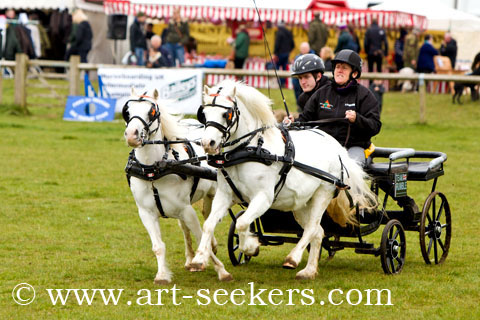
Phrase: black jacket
(332,102)
(375,42)
(303,98)
(450,50)
(83,38)
(283,41)
(137,36)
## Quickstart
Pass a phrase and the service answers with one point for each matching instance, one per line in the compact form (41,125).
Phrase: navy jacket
(425,58)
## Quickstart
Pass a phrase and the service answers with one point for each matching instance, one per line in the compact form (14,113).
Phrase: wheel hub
(437,229)
(394,248)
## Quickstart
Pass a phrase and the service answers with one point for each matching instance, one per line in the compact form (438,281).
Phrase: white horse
(147,120)
(232,110)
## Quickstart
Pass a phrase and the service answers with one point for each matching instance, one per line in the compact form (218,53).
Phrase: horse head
(142,117)
(220,115)
(230,110)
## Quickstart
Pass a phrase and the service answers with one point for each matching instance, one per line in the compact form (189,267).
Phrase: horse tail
(357,178)
(360,192)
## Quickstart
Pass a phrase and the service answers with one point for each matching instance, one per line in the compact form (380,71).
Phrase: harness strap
(158,202)
(232,185)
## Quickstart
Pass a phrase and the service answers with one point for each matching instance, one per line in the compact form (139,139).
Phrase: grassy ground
(68,220)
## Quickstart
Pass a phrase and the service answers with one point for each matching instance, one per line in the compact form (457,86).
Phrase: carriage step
(374,251)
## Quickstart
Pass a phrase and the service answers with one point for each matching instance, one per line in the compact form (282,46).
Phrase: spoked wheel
(435,228)
(393,247)
(236,257)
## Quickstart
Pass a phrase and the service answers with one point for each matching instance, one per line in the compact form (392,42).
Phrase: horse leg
(207,208)
(312,216)
(189,252)
(150,221)
(220,205)
(248,243)
(310,270)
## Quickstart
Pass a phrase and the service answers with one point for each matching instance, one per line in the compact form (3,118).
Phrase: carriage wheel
(435,228)
(236,257)
(393,247)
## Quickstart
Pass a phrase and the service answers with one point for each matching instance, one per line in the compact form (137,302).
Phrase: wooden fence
(22,65)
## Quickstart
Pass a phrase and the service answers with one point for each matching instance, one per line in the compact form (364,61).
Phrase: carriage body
(390,175)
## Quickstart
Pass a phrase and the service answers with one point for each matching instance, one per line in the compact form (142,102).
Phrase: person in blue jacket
(425,62)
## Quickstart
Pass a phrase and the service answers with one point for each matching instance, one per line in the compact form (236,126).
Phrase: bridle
(153,115)
(232,116)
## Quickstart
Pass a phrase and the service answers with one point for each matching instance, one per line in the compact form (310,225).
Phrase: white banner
(182,88)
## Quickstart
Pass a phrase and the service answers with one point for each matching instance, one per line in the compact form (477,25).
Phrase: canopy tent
(41,4)
(274,11)
(463,26)
(439,16)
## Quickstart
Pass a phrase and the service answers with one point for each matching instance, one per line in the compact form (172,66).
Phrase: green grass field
(68,220)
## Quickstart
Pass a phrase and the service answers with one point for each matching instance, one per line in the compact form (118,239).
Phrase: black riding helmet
(350,57)
(308,63)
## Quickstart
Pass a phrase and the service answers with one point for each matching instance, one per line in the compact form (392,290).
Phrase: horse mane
(170,123)
(254,101)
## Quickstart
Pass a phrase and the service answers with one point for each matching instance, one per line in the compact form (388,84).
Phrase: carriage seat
(417,170)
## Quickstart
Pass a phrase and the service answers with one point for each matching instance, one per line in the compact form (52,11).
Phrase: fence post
(21,67)
(422,91)
(74,76)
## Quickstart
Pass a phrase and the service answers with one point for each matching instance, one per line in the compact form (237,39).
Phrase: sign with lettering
(180,89)
(80,108)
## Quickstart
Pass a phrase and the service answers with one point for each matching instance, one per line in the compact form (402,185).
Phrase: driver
(344,97)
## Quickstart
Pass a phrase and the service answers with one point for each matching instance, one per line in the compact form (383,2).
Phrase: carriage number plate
(400,184)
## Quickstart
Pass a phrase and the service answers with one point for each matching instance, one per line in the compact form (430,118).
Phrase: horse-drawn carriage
(285,185)
(432,222)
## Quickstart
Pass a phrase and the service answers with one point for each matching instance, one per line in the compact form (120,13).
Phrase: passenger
(344,97)
(308,69)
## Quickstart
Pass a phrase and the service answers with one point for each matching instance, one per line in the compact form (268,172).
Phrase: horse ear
(234,92)
(132,91)
(206,90)
(155,94)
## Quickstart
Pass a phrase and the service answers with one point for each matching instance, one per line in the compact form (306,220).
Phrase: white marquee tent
(464,27)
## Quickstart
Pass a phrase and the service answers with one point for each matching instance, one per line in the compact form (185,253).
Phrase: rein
(301,125)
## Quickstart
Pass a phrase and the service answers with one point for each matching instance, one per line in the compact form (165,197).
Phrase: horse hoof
(302,276)
(290,264)
(197,267)
(226,278)
(162,282)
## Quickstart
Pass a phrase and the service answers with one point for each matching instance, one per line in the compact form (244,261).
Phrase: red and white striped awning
(297,13)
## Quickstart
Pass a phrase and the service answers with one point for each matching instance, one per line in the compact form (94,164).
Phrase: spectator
(149,31)
(241,46)
(158,55)
(11,45)
(449,48)
(351,29)
(410,49)
(425,62)
(178,34)
(297,89)
(138,40)
(378,90)
(284,44)
(326,53)
(399,45)
(317,34)
(81,37)
(376,46)
(345,39)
